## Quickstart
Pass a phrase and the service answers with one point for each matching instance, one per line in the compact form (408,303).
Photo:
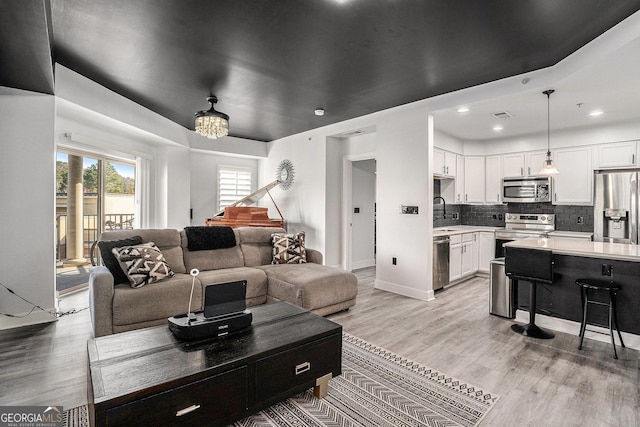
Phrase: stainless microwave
(527,189)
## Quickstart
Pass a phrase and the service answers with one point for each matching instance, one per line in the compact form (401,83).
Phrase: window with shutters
(234,183)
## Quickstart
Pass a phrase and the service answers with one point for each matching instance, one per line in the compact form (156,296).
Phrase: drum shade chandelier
(548,168)
(211,123)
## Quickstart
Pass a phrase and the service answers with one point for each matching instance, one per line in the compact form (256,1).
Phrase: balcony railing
(90,231)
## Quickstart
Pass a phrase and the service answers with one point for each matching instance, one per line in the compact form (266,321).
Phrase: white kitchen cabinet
(444,163)
(533,162)
(455,258)
(513,164)
(474,177)
(469,251)
(616,155)
(574,184)
(463,256)
(493,179)
(486,250)
(459,182)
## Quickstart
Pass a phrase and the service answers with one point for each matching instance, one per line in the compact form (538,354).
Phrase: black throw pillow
(109,260)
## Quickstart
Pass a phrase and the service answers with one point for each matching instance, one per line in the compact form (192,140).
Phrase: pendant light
(548,168)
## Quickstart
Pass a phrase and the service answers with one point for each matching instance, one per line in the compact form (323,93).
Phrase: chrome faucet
(444,209)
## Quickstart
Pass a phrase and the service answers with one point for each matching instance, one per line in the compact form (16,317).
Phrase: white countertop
(461,229)
(582,248)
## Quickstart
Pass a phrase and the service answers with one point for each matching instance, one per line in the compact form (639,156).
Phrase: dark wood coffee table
(148,377)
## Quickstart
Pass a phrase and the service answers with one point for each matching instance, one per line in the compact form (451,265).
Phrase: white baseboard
(363,263)
(35,318)
(573,328)
(404,290)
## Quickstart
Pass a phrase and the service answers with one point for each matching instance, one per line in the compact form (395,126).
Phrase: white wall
(27,214)
(360,144)
(363,181)
(404,178)
(304,204)
(448,142)
(627,131)
(204,182)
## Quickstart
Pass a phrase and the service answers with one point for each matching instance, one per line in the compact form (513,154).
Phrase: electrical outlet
(607,270)
(394,261)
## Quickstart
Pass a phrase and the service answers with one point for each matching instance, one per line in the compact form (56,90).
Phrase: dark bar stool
(534,266)
(612,288)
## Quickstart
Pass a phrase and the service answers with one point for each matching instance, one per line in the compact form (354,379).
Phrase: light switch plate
(412,210)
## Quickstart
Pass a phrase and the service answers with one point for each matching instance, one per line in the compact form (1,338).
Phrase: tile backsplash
(493,215)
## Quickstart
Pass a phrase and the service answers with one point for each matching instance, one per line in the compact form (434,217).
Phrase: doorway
(93,194)
(359,211)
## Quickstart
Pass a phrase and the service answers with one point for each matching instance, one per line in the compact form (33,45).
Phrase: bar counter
(575,259)
(582,248)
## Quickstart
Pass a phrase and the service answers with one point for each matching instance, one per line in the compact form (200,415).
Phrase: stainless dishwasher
(440,261)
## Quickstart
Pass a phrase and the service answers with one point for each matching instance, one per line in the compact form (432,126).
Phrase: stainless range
(521,226)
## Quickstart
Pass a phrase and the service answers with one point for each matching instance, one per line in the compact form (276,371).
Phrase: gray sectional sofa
(118,308)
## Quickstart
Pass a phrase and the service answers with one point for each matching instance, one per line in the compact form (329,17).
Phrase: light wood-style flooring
(540,382)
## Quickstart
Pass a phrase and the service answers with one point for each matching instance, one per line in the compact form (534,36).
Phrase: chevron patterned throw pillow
(143,264)
(288,248)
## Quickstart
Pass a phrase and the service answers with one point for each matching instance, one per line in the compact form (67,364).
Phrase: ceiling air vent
(351,133)
(503,115)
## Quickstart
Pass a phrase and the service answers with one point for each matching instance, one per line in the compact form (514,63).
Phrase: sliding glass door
(93,194)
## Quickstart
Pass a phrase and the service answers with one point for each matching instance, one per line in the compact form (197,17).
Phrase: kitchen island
(575,259)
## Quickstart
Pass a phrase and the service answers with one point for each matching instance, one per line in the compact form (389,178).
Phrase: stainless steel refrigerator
(615,207)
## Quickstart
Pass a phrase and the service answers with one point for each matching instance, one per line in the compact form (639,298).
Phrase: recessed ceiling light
(319,112)
(497,128)
(463,110)
(596,113)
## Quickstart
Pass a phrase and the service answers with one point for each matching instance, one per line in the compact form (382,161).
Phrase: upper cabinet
(493,179)
(474,176)
(574,184)
(616,155)
(523,164)
(513,164)
(444,163)
(533,162)
(459,183)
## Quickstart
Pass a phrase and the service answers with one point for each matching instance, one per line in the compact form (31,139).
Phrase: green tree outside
(115,183)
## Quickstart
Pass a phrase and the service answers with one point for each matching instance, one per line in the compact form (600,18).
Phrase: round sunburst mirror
(285,173)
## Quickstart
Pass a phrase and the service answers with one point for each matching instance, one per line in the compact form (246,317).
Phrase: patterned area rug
(380,388)
(376,388)
(76,417)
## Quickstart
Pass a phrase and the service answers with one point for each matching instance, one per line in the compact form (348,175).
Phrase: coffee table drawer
(287,370)
(221,397)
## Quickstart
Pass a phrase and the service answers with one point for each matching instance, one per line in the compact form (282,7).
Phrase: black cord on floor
(34,306)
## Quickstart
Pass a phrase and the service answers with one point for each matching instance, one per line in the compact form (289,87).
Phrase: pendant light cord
(548,93)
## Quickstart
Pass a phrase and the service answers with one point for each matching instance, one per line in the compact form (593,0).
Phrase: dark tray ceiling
(272,62)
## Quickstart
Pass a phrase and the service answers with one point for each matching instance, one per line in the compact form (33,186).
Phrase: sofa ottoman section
(152,304)
(320,289)
(256,281)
